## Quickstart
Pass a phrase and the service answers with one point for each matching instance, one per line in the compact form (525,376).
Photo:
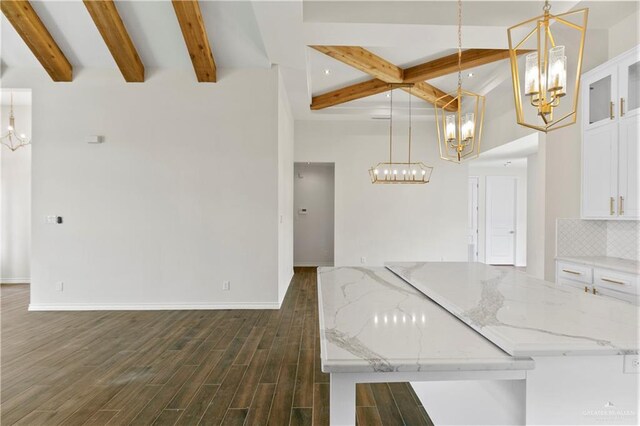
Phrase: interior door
(501,220)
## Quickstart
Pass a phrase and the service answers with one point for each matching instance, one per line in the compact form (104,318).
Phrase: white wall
(388,222)
(15,214)
(624,35)
(285,191)
(182,195)
(314,190)
(520,173)
(536,211)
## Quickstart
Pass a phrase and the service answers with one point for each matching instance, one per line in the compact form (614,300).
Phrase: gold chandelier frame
(414,172)
(543,29)
(12,136)
(458,143)
(459,149)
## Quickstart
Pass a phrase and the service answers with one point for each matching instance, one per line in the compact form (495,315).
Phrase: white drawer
(576,284)
(627,297)
(575,272)
(616,281)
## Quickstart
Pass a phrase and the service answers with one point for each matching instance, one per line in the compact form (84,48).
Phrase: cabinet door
(628,164)
(629,84)
(600,98)
(600,172)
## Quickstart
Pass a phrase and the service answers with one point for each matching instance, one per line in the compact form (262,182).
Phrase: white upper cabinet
(610,132)
(600,97)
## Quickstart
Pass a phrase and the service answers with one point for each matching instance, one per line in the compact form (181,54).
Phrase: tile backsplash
(613,238)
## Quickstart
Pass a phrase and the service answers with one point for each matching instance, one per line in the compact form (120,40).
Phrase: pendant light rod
(459,45)
(391,127)
(410,96)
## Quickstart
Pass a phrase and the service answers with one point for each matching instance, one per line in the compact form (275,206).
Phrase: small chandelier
(545,76)
(12,139)
(400,172)
(459,134)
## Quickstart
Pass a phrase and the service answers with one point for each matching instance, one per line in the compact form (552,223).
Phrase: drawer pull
(611,109)
(595,291)
(621,206)
(569,271)
(611,208)
(609,280)
(586,289)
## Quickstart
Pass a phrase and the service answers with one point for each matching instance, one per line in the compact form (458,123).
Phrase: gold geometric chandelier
(459,134)
(12,139)
(391,172)
(550,105)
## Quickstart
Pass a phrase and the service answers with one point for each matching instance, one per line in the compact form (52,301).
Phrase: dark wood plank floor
(241,367)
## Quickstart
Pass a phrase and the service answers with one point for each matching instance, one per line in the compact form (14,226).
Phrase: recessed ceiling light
(388,95)
(327,71)
(470,74)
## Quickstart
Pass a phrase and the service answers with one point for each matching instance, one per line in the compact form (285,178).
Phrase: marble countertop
(372,321)
(615,263)
(523,315)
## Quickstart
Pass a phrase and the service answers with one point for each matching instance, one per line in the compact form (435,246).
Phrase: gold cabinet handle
(586,289)
(612,106)
(569,271)
(609,280)
(611,206)
(621,107)
(621,206)
(595,291)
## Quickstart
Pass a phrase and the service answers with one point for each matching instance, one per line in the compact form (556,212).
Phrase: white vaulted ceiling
(257,34)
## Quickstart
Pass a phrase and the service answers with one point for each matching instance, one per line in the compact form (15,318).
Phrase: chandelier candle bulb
(532,82)
(557,70)
(468,126)
(451,127)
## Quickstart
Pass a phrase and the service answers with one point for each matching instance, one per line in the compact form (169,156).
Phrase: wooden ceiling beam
(365,61)
(471,58)
(195,37)
(417,74)
(431,94)
(350,93)
(28,25)
(109,23)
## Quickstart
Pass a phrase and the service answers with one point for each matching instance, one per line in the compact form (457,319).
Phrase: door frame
(487,227)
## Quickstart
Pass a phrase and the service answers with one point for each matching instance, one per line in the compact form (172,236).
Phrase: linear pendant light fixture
(460,133)
(391,172)
(12,139)
(550,104)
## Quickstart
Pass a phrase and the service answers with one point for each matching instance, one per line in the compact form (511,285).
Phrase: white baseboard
(311,264)
(149,306)
(15,280)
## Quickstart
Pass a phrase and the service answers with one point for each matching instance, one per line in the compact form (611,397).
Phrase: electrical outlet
(60,286)
(632,364)
(363,260)
(226,285)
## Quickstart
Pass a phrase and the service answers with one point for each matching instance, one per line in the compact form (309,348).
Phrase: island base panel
(581,390)
(471,402)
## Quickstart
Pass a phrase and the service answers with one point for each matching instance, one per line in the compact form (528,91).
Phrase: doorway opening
(15,188)
(507,179)
(313,216)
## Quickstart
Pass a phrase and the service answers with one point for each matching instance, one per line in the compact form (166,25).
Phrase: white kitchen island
(377,328)
(584,347)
